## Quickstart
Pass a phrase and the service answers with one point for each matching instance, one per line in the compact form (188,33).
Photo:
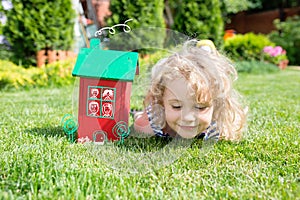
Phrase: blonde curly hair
(210,76)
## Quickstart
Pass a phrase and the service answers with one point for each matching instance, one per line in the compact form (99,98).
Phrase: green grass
(37,161)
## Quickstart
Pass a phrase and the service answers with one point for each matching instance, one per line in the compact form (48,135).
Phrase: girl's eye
(176,107)
(201,107)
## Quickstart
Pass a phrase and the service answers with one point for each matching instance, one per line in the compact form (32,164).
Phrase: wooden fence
(261,22)
(49,56)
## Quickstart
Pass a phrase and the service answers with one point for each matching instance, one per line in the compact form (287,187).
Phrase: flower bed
(275,55)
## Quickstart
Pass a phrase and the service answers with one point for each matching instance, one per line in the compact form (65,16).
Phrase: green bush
(60,73)
(13,76)
(201,18)
(5,52)
(246,47)
(147,25)
(255,67)
(274,55)
(54,74)
(38,24)
(287,35)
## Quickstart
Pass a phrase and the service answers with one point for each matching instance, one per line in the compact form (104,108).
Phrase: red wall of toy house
(88,125)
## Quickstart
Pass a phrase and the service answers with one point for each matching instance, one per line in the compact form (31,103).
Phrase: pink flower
(283,52)
(274,54)
(274,51)
(268,49)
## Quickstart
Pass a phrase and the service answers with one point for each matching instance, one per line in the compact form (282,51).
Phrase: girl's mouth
(187,127)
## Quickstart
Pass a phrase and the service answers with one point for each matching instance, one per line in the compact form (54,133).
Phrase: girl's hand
(141,123)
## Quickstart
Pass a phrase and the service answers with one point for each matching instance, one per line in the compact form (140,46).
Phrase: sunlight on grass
(38,162)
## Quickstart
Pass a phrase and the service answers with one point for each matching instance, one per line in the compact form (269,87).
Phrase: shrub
(54,74)
(38,24)
(255,67)
(202,17)
(60,73)
(144,14)
(287,35)
(274,54)
(246,47)
(5,52)
(13,76)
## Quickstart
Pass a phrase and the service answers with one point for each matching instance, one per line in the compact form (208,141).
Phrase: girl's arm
(141,123)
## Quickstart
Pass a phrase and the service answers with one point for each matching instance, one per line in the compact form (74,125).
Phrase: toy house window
(101,102)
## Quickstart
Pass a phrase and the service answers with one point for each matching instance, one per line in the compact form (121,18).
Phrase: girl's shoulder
(212,132)
(157,129)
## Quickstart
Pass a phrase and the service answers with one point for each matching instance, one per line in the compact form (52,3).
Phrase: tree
(147,25)
(235,6)
(5,53)
(264,5)
(287,36)
(33,25)
(201,19)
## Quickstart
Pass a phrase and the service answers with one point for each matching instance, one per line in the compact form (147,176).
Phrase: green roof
(105,64)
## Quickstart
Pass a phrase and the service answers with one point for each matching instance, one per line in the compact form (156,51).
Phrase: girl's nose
(188,116)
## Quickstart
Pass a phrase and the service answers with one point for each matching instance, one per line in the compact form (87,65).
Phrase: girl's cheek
(171,113)
(207,116)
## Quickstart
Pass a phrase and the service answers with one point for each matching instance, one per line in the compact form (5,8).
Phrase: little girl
(191,95)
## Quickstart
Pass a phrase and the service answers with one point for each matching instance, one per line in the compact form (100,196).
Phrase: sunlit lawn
(38,162)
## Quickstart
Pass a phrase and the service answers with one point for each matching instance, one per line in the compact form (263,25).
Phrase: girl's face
(183,114)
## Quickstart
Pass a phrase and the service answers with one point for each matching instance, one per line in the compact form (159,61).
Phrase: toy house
(106,78)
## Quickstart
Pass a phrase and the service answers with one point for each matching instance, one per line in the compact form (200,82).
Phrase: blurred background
(34,33)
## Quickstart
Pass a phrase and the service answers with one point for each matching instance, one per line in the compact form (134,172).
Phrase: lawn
(38,162)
